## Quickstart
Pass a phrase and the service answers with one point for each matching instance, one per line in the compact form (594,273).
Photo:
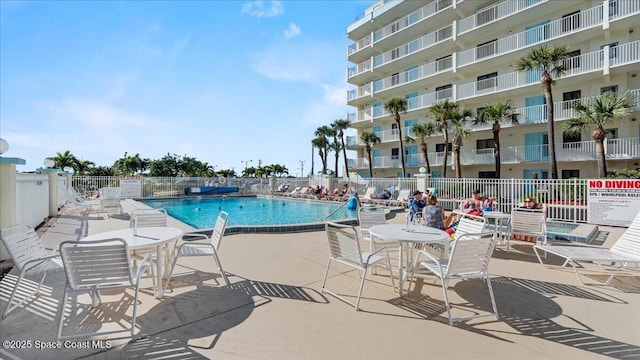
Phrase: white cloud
(330,107)
(261,8)
(94,114)
(292,31)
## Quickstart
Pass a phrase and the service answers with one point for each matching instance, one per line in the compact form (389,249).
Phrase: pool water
(201,213)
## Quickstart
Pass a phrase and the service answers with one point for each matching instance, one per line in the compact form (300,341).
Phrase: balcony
(556,29)
(395,27)
(494,13)
(402,51)
(600,60)
(615,149)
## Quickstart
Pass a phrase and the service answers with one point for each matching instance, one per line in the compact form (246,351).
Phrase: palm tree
(369,138)
(336,146)
(396,106)
(324,132)
(339,126)
(82,166)
(497,113)
(321,143)
(441,112)
(421,133)
(550,62)
(458,123)
(63,160)
(599,112)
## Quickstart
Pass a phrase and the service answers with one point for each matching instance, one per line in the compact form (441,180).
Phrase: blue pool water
(201,213)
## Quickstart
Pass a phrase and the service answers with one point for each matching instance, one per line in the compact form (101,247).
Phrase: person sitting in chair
(530,203)
(474,202)
(433,214)
(416,204)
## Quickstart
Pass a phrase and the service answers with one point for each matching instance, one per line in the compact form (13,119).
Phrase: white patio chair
(191,247)
(625,252)
(29,257)
(527,222)
(369,216)
(148,218)
(470,256)
(466,225)
(92,266)
(344,247)
(110,200)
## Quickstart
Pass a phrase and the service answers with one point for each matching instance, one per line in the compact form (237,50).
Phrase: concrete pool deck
(273,309)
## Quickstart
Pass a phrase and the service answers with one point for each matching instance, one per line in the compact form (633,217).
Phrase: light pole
(301,168)
(245,166)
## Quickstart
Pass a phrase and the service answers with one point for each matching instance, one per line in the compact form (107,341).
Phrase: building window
(444,33)
(444,92)
(570,141)
(444,63)
(395,154)
(441,4)
(571,99)
(613,50)
(611,134)
(485,144)
(395,79)
(613,89)
(573,60)
(394,129)
(487,49)
(487,81)
(486,15)
(440,147)
(571,21)
(395,53)
(487,174)
(570,174)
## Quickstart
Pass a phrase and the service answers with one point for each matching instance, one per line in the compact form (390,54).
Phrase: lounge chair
(110,200)
(30,258)
(367,198)
(625,252)
(402,199)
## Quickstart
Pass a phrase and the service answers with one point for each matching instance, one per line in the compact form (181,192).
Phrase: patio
(273,309)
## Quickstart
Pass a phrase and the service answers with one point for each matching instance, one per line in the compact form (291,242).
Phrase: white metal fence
(565,199)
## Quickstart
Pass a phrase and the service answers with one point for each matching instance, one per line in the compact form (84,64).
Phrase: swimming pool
(255,214)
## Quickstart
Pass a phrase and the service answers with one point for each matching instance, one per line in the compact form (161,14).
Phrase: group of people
(433,215)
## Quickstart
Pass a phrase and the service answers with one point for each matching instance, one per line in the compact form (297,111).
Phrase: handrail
(336,210)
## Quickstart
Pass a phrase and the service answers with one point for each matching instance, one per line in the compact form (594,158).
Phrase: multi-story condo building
(467,51)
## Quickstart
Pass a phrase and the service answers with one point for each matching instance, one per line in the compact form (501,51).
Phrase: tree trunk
(324,161)
(336,165)
(601,158)
(423,147)
(370,164)
(397,118)
(344,155)
(312,158)
(496,148)
(456,159)
(553,164)
(446,153)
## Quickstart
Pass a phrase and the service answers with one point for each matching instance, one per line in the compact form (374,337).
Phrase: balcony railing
(415,17)
(563,110)
(541,34)
(593,61)
(494,13)
(620,149)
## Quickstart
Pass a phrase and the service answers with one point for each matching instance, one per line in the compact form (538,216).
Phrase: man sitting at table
(474,202)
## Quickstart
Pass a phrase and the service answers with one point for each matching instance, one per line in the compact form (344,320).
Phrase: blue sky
(221,81)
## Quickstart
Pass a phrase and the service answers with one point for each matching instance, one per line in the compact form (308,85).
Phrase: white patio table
(145,237)
(498,222)
(406,235)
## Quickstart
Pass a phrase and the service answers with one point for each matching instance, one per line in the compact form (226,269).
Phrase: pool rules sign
(613,202)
